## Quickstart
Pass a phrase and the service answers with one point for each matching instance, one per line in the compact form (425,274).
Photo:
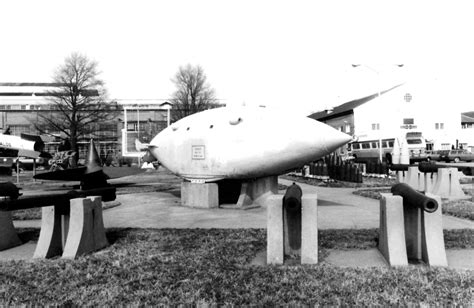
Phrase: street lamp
(378,95)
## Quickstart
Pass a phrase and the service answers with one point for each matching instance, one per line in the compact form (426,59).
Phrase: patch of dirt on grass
(367,182)
(374,193)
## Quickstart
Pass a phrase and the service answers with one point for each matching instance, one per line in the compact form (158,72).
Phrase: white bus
(364,150)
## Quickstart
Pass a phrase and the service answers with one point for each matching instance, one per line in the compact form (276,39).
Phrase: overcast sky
(275,53)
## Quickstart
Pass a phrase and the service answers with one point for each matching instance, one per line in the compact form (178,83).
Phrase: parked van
(370,149)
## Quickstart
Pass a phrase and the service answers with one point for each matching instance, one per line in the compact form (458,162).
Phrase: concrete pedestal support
(415,178)
(202,195)
(447,186)
(86,228)
(275,230)
(72,233)
(433,250)
(401,176)
(255,192)
(430,181)
(52,235)
(8,235)
(275,254)
(309,229)
(392,230)
(410,233)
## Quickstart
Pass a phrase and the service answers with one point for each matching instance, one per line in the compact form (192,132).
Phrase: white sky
(275,53)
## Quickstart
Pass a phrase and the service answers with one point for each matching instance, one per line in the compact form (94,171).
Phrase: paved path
(338,209)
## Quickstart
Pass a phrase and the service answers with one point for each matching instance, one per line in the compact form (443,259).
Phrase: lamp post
(378,96)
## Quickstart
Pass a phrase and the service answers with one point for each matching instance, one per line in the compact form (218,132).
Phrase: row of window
(376,126)
(372,145)
(27,107)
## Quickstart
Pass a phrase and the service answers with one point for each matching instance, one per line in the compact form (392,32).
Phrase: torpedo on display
(242,143)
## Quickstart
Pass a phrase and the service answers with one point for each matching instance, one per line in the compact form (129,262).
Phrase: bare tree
(78,101)
(193,93)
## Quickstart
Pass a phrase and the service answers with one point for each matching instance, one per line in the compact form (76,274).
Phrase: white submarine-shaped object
(245,143)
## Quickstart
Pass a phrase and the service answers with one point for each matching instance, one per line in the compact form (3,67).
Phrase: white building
(404,108)
(466,135)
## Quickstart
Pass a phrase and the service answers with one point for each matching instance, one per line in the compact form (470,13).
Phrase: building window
(445,146)
(17,130)
(409,121)
(439,125)
(348,128)
(375,126)
(408,97)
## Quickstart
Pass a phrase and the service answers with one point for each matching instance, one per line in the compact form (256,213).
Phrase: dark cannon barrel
(292,198)
(427,167)
(27,202)
(107,193)
(433,167)
(292,209)
(468,171)
(399,167)
(414,198)
(57,199)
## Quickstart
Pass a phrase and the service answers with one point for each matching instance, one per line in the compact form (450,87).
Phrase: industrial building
(21,103)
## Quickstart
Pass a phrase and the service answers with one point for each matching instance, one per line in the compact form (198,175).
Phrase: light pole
(378,96)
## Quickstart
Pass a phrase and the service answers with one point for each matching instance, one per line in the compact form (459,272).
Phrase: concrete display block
(433,249)
(51,239)
(86,228)
(309,229)
(392,230)
(410,233)
(8,236)
(71,232)
(275,230)
(275,254)
(401,176)
(100,239)
(447,186)
(430,181)
(415,178)
(253,193)
(202,195)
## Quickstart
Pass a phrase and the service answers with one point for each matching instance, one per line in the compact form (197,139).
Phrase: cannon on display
(413,198)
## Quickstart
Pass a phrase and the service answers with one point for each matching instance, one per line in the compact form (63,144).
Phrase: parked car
(458,155)
(434,155)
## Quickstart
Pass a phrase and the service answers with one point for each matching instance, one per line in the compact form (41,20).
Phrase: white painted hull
(243,143)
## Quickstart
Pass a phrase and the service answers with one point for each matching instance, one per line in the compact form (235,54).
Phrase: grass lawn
(198,266)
